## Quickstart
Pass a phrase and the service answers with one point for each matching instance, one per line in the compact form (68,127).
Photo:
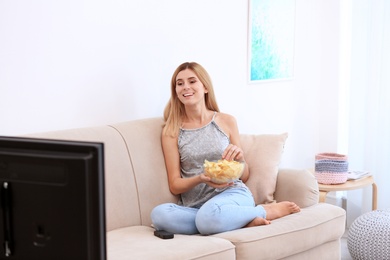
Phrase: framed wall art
(271,40)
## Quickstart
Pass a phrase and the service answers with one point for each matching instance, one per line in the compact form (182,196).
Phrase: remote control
(163,234)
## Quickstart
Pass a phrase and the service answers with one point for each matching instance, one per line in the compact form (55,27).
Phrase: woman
(195,130)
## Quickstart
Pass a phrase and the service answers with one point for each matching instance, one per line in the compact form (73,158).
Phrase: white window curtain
(369,101)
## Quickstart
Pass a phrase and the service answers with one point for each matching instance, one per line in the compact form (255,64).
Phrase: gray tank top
(196,145)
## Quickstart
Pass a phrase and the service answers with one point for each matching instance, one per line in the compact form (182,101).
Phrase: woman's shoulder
(226,121)
(226,118)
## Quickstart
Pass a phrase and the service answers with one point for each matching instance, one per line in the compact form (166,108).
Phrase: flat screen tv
(52,199)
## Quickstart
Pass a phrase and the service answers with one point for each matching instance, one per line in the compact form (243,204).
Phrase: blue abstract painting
(271,39)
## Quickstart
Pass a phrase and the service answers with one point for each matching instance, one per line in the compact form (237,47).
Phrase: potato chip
(223,171)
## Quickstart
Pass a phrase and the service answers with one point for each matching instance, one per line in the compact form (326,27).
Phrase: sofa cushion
(294,234)
(138,242)
(263,154)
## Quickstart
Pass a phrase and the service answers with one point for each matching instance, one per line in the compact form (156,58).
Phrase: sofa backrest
(122,200)
(143,140)
(135,175)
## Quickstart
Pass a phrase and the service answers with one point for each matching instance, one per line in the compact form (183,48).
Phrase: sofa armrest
(299,186)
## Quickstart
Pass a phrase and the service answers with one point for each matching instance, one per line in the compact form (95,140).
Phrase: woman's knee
(174,218)
(160,215)
(208,221)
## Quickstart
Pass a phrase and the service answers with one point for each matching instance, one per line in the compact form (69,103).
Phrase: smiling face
(189,89)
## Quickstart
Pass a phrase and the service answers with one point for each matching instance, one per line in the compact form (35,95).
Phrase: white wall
(76,63)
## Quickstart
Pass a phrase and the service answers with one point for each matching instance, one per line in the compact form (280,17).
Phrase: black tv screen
(52,199)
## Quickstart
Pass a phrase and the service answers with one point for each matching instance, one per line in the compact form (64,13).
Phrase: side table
(350,185)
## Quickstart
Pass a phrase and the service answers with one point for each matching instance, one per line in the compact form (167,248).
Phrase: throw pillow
(263,154)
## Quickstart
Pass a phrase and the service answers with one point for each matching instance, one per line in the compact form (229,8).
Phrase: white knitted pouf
(369,236)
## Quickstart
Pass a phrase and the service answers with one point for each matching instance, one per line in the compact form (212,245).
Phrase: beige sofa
(136,181)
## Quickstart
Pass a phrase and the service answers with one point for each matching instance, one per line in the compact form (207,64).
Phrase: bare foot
(258,222)
(280,209)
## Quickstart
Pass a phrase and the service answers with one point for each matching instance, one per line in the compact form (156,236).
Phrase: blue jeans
(232,209)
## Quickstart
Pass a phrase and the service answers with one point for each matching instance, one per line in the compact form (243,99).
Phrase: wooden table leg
(374,196)
(323,195)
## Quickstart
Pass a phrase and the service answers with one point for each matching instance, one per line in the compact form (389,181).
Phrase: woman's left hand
(207,180)
(233,152)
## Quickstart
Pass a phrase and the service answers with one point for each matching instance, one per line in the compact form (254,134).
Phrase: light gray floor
(344,247)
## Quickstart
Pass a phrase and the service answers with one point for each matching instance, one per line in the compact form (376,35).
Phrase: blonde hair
(174,110)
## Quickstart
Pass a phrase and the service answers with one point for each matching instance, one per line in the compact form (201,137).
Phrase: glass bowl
(223,171)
